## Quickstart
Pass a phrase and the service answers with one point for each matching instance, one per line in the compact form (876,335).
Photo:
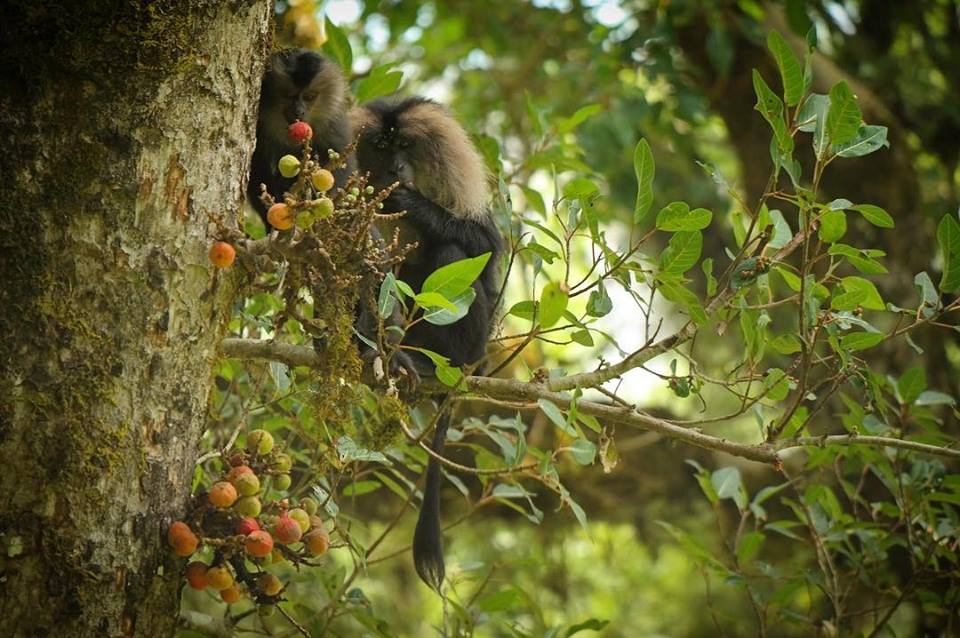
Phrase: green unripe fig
(281,462)
(259,442)
(323,208)
(247,506)
(282,481)
(247,484)
(289,166)
(309,504)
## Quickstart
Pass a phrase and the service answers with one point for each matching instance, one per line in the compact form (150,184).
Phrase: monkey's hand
(401,365)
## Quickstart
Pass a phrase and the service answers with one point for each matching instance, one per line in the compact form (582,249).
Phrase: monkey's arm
(440,226)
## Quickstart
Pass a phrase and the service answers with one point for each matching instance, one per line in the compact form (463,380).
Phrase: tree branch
(513,390)
(287,353)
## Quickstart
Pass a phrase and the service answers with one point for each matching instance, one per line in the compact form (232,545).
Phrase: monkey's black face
(389,156)
(298,85)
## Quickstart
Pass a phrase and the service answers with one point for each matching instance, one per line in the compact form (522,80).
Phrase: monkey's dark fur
(298,85)
(444,192)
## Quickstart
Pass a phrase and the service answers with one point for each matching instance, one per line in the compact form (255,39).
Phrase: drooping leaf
(338,46)
(644,168)
(912,384)
(682,252)
(382,80)
(844,117)
(790,73)
(599,303)
(872,299)
(833,226)
(553,301)
(948,236)
(771,108)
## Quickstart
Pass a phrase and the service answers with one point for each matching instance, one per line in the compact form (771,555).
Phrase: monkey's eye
(404,143)
(309,97)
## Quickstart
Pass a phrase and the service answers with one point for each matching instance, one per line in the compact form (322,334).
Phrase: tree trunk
(126,130)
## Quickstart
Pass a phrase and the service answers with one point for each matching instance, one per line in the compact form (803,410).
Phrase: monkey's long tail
(427,538)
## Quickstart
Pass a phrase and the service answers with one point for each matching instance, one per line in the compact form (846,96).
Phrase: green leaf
(786,344)
(860,341)
(557,417)
(405,289)
(348,450)
(707,267)
(789,278)
(929,298)
(501,601)
(281,375)
(599,304)
(453,279)
(932,397)
(771,108)
(582,115)
(948,236)
(748,546)
(449,376)
(587,625)
(583,451)
(523,309)
(541,251)
(875,215)
(776,385)
(444,315)
(844,117)
(338,46)
(361,487)
(790,73)
(583,337)
(644,169)
(434,300)
(812,118)
(379,82)
(579,188)
(833,226)
(534,200)
(867,140)
(728,484)
(387,300)
(911,385)
(553,301)
(872,299)
(673,290)
(682,252)
(677,216)
(781,230)
(814,108)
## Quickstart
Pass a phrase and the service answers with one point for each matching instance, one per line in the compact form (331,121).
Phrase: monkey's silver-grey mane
(456,176)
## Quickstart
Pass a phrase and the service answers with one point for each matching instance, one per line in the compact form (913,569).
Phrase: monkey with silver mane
(443,190)
(297,85)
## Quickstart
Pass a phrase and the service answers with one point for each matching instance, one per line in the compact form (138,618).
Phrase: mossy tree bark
(126,129)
